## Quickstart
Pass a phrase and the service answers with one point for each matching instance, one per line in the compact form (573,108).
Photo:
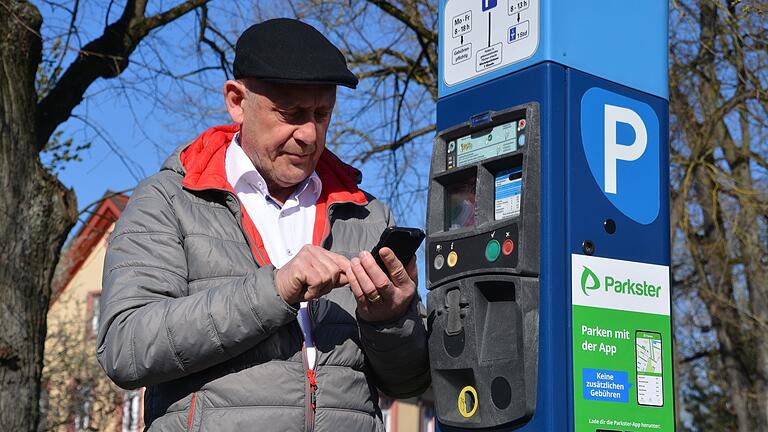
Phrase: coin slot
(467,401)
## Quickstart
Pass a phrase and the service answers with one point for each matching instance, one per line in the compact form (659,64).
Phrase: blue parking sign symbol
(512,34)
(621,137)
(489,4)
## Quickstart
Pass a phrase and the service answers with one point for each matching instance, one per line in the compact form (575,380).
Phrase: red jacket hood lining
(204,163)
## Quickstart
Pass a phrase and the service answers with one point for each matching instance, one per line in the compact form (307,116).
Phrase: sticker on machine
(479,37)
(620,285)
(508,193)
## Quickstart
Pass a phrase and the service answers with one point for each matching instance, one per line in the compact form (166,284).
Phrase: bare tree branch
(104,57)
(394,145)
(409,21)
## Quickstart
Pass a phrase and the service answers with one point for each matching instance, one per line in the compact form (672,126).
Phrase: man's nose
(306,132)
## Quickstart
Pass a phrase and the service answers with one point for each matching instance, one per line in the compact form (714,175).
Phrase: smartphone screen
(650,375)
(403,241)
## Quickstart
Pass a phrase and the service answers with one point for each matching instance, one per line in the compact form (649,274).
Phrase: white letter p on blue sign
(625,152)
(620,137)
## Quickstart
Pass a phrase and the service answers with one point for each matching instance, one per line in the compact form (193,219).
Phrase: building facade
(408,415)
(77,396)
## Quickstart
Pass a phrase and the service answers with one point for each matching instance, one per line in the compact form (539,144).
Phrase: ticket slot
(456,191)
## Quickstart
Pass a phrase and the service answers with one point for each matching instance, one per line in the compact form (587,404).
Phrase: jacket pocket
(206,283)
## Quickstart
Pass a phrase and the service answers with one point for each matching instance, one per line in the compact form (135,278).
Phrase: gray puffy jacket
(188,312)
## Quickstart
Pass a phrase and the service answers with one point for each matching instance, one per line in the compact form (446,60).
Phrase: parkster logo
(591,282)
(621,141)
(620,285)
(589,276)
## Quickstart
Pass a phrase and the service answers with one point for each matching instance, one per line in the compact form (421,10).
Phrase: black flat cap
(290,51)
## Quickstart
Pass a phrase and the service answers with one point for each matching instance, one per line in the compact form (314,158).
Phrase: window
(92,326)
(131,409)
(82,406)
(386,412)
(427,418)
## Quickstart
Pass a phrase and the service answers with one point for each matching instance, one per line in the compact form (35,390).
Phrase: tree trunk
(36,213)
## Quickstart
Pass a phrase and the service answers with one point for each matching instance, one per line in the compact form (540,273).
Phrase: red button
(507,247)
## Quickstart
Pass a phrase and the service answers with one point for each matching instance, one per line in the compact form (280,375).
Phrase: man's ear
(234,96)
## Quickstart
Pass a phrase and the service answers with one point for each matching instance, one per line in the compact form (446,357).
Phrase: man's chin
(294,178)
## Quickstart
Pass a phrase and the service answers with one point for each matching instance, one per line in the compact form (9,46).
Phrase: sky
(135,121)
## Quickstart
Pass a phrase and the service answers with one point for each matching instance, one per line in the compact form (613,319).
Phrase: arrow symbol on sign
(462,39)
(489,29)
(518,17)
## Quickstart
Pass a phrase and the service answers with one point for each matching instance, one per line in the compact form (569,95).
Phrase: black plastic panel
(495,319)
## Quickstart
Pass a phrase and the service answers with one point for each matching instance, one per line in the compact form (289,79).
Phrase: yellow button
(453,258)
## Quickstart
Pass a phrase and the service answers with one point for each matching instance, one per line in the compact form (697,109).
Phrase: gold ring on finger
(374,298)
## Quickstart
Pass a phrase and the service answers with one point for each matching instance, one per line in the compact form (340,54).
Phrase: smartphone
(402,241)
(650,373)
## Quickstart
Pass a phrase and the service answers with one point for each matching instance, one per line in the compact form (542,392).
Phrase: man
(243,230)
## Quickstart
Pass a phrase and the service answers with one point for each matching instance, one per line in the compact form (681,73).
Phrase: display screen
(498,140)
(650,382)
(461,204)
(508,189)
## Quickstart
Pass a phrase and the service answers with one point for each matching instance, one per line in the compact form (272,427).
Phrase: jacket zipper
(311,395)
(311,400)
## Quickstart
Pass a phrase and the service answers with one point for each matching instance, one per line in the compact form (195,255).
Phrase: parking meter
(547,253)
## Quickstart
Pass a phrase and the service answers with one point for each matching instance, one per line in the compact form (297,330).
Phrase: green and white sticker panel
(622,345)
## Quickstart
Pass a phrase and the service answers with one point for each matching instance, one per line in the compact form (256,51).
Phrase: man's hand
(311,274)
(368,281)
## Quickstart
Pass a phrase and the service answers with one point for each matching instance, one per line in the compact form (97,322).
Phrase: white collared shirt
(285,229)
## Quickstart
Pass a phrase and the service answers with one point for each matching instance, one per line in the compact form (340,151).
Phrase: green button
(492,250)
